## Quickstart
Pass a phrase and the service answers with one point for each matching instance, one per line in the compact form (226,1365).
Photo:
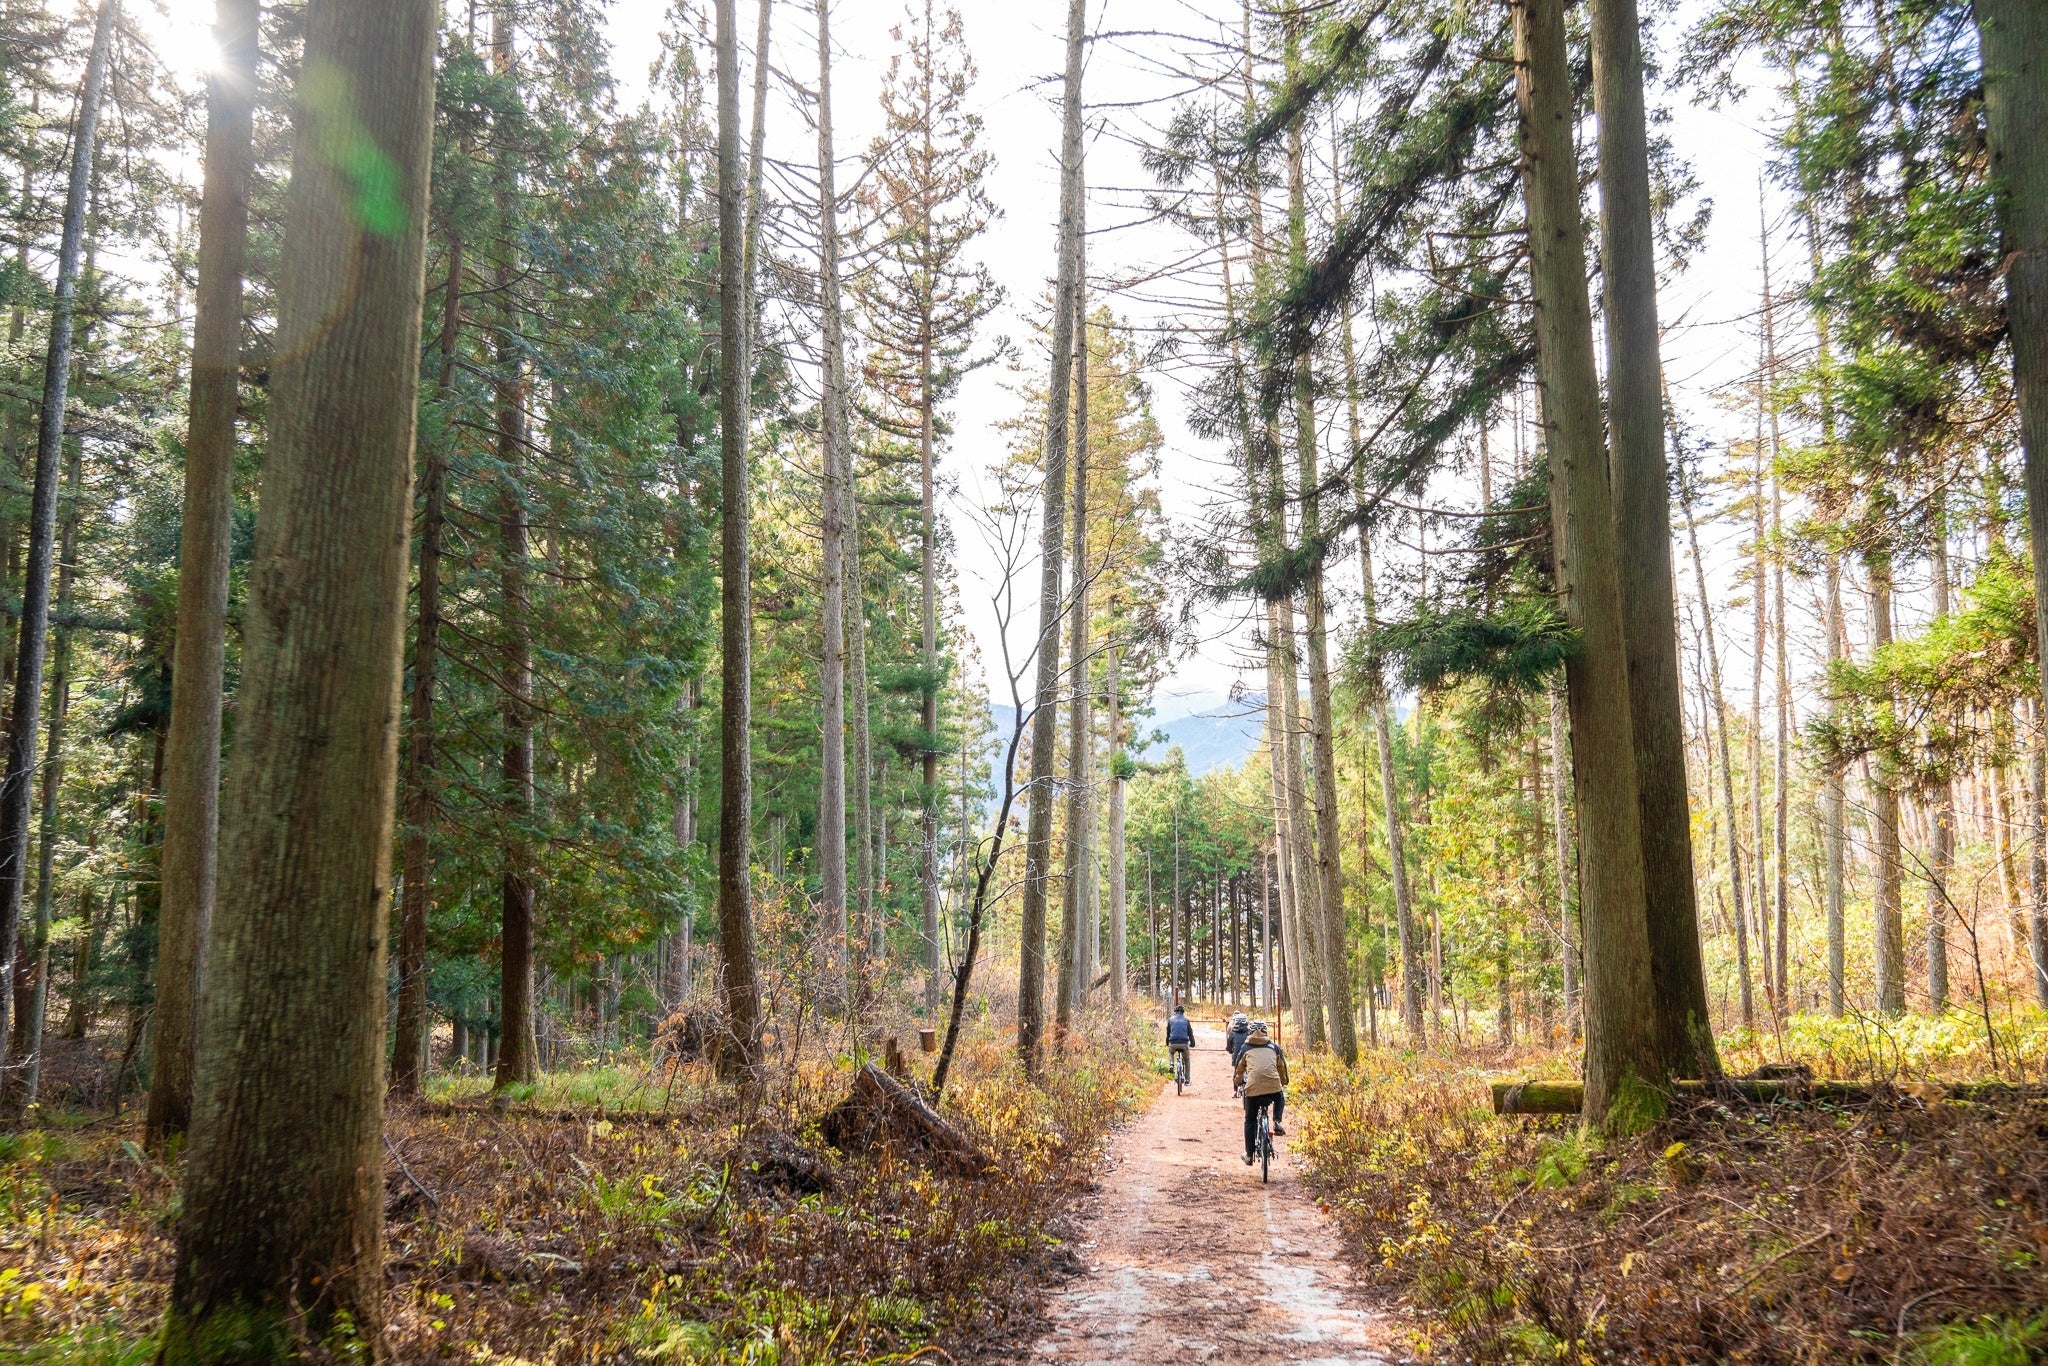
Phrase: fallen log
(1569,1097)
(881,1112)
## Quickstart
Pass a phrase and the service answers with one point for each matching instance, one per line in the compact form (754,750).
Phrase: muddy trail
(1186,1256)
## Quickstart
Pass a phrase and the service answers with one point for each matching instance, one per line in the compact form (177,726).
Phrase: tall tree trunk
(1412,975)
(1038,853)
(1642,511)
(37,1006)
(1781,690)
(17,789)
(409,1048)
(738,979)
(832,459)
(1119,946)
(192,751)
(2037,850)
(1720,725)
(866,834)
(1624,1066)
(1077,968)
(1567,863)
(281,1240)
(1305,906)
(1834,798)
(1888,938)
(1759,584)
(1331,926)
(1941,840)
(2013,35)
(928,870)
(518,1055)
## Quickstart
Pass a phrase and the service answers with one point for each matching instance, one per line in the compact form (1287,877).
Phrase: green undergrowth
(1788,1233)
(1959,1044)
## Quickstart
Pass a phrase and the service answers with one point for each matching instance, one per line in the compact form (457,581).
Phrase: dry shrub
(1743,1233)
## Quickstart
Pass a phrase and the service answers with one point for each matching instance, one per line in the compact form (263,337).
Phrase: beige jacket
(1262,1068)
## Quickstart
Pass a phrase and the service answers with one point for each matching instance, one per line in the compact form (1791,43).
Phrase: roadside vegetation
(1911,1230)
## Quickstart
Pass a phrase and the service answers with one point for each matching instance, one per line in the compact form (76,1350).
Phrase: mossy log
(1568,1097)
(881,1112)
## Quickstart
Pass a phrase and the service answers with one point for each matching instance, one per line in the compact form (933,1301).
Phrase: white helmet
(1238,1018)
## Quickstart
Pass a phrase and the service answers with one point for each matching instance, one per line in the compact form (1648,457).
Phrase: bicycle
(1180,1071)
(1265,1145)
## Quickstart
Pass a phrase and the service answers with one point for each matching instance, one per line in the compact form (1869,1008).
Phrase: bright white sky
(1018,45)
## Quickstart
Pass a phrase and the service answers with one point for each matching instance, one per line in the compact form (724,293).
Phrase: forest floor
(1911,1231)
(1186,1256)
(611,1217)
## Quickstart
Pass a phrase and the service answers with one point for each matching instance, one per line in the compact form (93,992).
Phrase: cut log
(1568,1097)
(881,1112)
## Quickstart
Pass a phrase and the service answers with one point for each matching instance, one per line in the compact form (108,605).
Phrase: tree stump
(881,1112)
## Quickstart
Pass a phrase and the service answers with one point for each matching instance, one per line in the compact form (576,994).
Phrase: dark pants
(1276,1101)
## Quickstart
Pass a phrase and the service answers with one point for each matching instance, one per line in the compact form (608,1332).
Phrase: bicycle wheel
(1265,1147)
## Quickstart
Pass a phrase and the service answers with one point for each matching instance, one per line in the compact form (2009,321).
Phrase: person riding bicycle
(1180,1039)
(1240,1030)
(1262,1072)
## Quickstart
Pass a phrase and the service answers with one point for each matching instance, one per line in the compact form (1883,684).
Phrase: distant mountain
(1225,736)
(1222,735)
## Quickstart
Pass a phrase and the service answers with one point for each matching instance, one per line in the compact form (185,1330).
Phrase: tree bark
(1941,842)
(1119,948)
(738,979)
(281,1241)
(1038,853)
(928,842)
(1624,1066)
(832,459)
(2013,35)
(31,1047)
(1077,965)
(1888,937)
(1331,925)
(1567,871)
(518,1053)
(17,789)
(409,1048)
(192,750)
(1642,510)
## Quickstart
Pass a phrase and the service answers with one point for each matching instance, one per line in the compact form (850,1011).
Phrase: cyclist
(1262,1073)
(1180,1038)
(1240,1028)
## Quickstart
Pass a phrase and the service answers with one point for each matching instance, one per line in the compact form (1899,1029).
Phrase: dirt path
(1190,1258)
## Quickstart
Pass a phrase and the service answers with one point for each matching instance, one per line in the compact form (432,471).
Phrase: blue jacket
(1235,1040)
(1180,1032)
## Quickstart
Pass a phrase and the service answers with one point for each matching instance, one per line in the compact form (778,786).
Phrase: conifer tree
(280,1244)
(1038,850)
(192,747)
(1623,1062)
(924,300)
